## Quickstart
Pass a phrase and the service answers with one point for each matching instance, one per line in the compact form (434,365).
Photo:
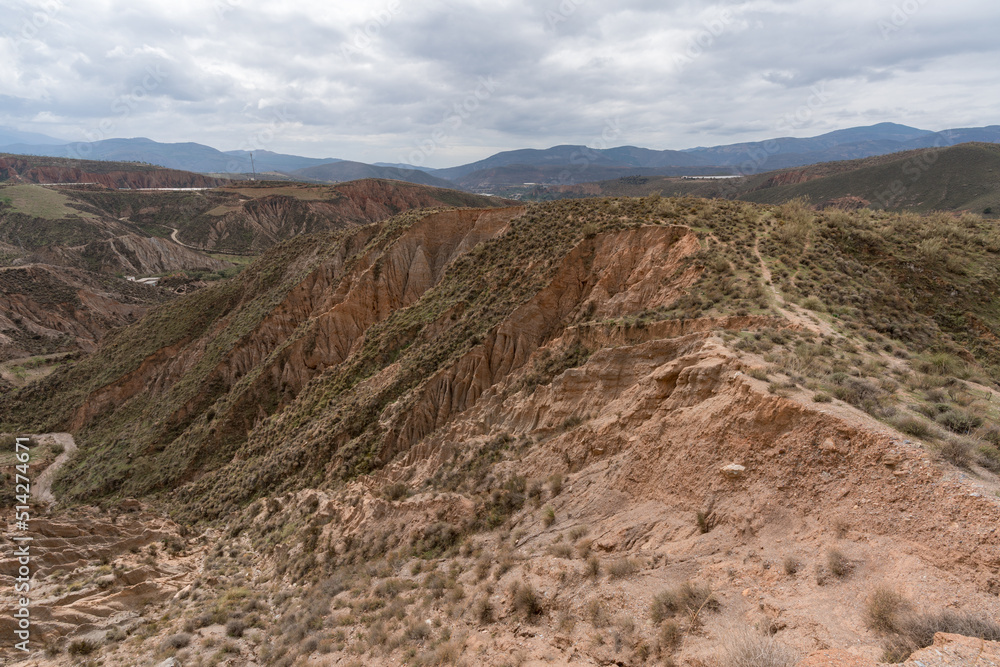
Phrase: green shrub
(959,422)
(548,516)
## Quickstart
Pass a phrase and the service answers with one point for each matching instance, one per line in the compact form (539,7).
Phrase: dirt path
(173,237)
(43,485)
(814,324)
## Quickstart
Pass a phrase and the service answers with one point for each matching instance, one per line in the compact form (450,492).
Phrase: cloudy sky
(444,82)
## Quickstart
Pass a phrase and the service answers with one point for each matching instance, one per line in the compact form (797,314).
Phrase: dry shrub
(417,631)
(957,452)
(883,608)
(81,647)
(688,598)
(525,600)
(914,426)
(235,627)
(561,550)
(597,613)
(838,564)
(555,484)
(989,458)
(748,648)
(483,611)
(791,565)
(622,567)
(175,642)
(671,636)
(593,569)
(916,631)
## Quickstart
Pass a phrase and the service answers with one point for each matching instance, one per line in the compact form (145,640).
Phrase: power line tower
(253,168)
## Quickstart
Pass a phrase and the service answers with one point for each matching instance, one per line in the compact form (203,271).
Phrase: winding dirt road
(43,485)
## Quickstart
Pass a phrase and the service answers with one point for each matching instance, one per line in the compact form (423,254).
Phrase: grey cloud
(560,70)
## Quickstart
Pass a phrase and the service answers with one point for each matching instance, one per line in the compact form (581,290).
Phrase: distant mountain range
(184,156)
(560,164)
(9,136)
(965,177)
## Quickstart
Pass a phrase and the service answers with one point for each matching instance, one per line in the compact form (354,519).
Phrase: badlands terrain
(71,231)
(620,431)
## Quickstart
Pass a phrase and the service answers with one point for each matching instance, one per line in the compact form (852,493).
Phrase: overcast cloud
(445,82)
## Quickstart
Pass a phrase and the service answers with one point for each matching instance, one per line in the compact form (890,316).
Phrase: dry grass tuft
(688,598)
(748,648)
(526,601)
(671,636)
(913,632)
(838,564)
(883,608)
(621,568)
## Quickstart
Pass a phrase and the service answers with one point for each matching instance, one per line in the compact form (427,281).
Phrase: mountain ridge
(774,153)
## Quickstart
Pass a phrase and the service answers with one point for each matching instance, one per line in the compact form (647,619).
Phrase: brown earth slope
(131,254)
(46,309)
(264,216)
(30,169)
(583,433)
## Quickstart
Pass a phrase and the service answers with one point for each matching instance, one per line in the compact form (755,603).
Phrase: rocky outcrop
(331,309)
(948,651)
(113,565)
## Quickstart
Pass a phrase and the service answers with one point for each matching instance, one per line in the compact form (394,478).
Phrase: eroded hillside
(627,431)
(247,218)
(48,309)
(64,240)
